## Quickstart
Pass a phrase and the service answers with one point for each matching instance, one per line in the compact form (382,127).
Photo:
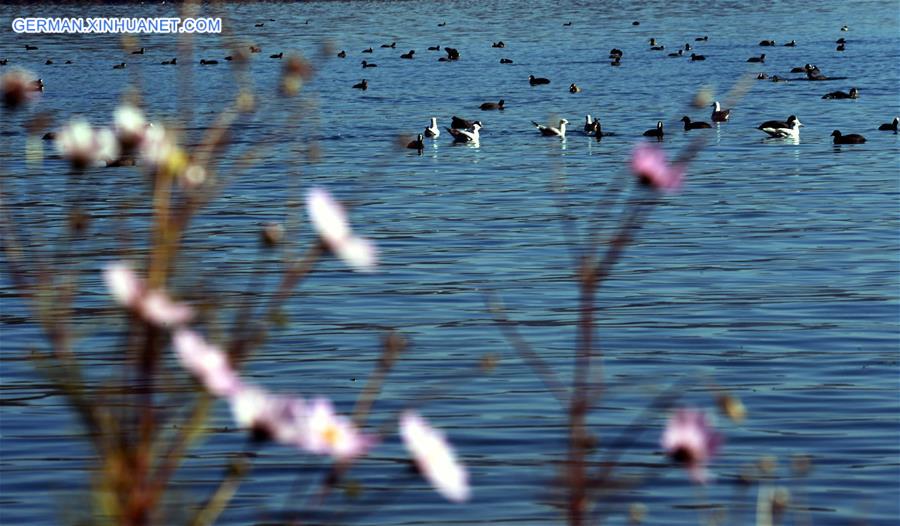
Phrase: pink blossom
(129,125)
(153,306)
(434,457)
(207,362)
(331,434)
(688,439)
(83,146)
(648,162)
(123,283)
(271,417)
(331,223)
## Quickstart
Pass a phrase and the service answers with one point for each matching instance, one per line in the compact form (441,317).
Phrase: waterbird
(492,105)
(852,138)
(615,52)
(567,24)
(617,61)
(813,73)
(702,39)
(841,40)
(259,24)
(29,47)
(687,47)
(657,48)
(892,126)
(172,62)
(119,66)
(432,131)
(655,132)
(699,125)
(363,85)
(229,58)
(782,129)
(68,62)
(442,24)
(845,28)
(854,94)
(695,57)
(205,62)
(767,43)
(49,136)
(4,61)
(367,65)
(452,53)
(417,144)
(535,81)
(760,58)
(590,124)
(342,54)
(791,44)
(368,50)
(799,69)
(391,45)
(506,61)
(573,88)
(718,114)
(500,44)
(551,131)
(636,23)
(408,55)
(48,63)
(277,55)
(138,52)
(466,136)
(434,48)
(678,53)
(255,49)
(461,124)
(840,47)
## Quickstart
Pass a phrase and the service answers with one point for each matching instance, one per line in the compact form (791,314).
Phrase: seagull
(432,131)
(466,136)
(782,130)
(655,132)
(550,131)
(852,138)
(688,125)
(718,114)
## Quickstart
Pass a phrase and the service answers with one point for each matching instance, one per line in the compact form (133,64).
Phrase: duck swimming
(782,130)
(852,138)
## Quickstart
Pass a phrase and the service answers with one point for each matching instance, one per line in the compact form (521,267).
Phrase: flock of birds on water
(467,131)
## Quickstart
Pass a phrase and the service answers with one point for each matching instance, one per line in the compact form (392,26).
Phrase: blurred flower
(331,434)
(153,306)
(129,125)
(159,151)
(208,363)
(689,440)
(648,162)
(123,283)
(270,417)
(18,87)
(83,146)
(434,457)
(330,221)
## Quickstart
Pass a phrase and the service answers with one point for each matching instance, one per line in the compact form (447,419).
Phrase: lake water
(774,273)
